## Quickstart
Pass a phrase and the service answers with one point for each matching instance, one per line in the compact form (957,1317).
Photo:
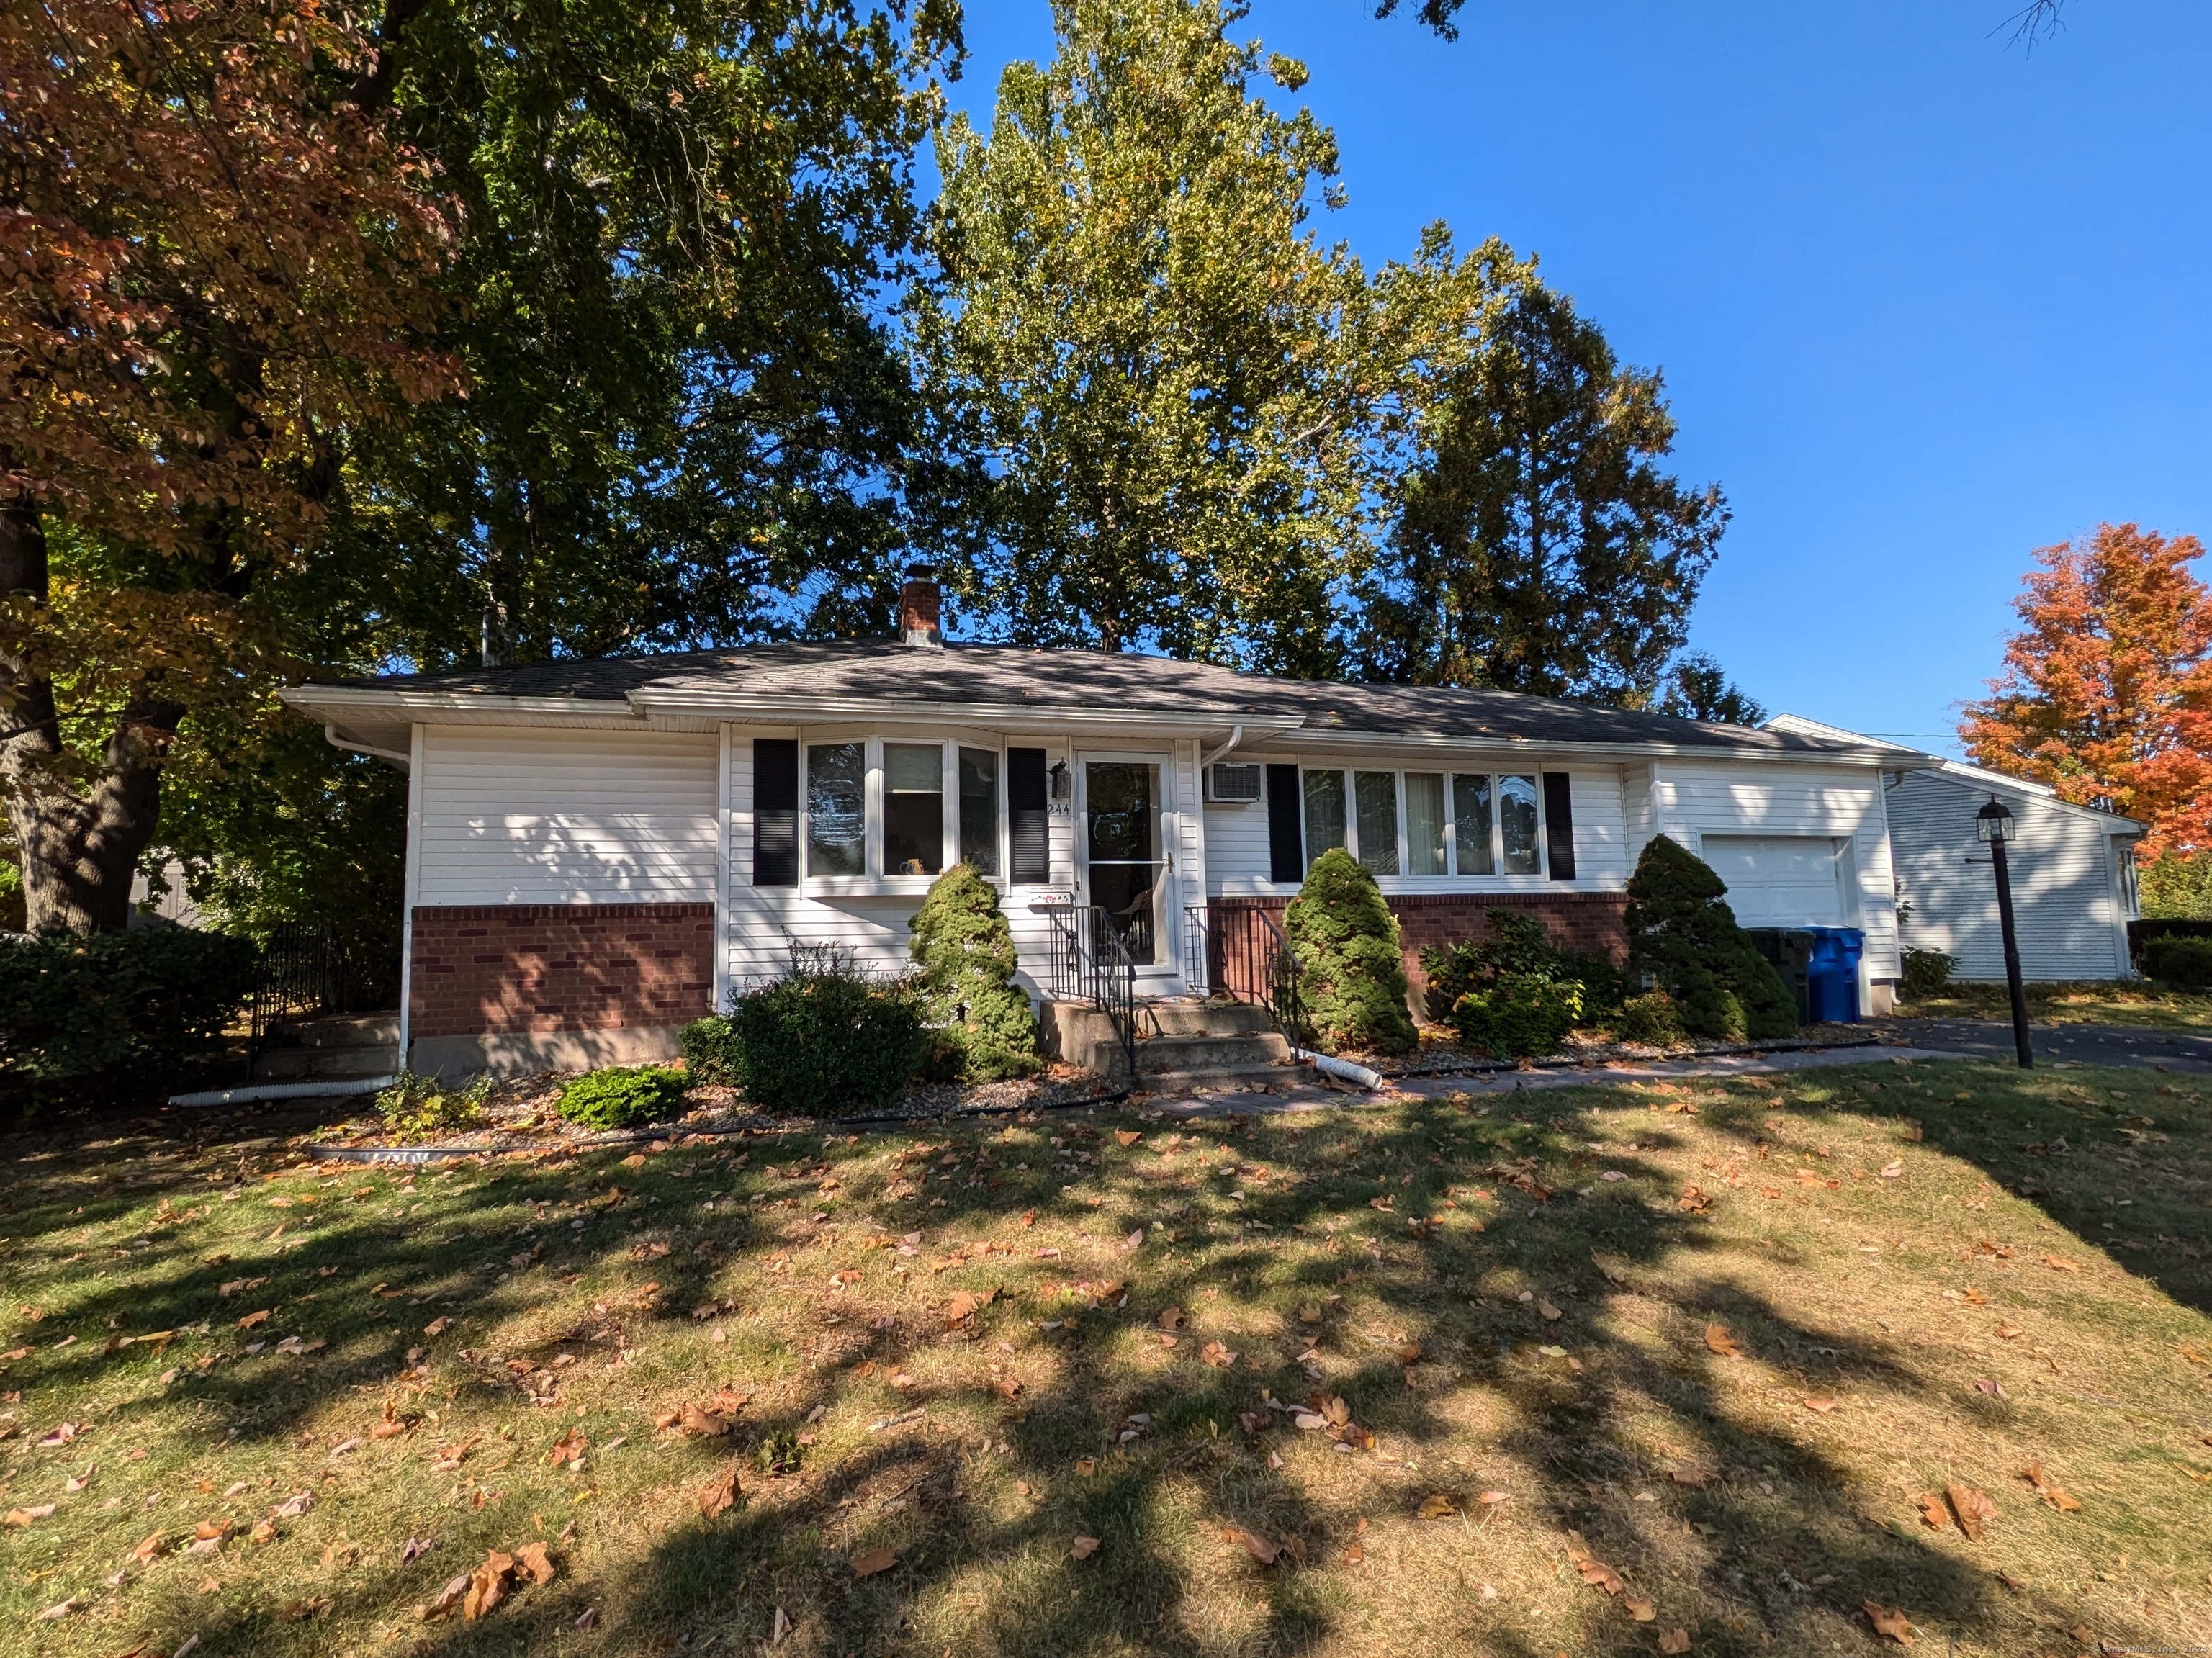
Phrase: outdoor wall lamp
(1993,827)
(1061,780)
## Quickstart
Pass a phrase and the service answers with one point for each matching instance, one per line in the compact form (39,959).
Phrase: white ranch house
(598,852)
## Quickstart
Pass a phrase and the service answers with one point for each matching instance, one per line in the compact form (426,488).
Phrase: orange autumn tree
(2106,695)
(215,265)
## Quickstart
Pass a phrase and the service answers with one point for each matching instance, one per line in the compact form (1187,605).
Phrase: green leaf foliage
(624,1096)
(1927,973)
(1651,1019)
(2175,886)
(1519,942)
(116,1009)
(964,951)
(1351,973)
(1521,1016)
(823,1039)
(416,1107)
(1682,932)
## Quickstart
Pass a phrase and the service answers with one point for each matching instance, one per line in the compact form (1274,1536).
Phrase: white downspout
(1235,736)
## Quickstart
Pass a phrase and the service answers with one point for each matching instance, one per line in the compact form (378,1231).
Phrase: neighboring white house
(599,851)
(2073,870)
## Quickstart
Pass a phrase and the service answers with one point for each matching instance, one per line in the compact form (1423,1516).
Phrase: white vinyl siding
(762,921)
(2069,905)
(516,816)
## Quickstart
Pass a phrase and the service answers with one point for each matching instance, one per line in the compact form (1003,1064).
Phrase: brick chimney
(918,605)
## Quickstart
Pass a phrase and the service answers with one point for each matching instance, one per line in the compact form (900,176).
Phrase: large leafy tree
(1140,345)
(2106,695)
(215,267)
(1542,545)
(688,420)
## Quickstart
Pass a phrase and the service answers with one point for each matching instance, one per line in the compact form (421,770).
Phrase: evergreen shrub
(983,1028)
(1682,934)
(1650,1020)
(1351,974)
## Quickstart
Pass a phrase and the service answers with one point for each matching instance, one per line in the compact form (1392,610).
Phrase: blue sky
(1924,301)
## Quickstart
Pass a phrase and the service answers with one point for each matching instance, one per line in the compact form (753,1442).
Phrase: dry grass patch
(1724,1369)
(2135,1004)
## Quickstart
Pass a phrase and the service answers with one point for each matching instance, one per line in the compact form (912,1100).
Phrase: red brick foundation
(1576,920)
(499,968)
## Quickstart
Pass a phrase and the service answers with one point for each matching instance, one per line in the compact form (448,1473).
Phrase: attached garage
(1780,880)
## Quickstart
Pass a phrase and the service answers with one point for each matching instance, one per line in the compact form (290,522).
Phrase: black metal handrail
(1249,957)
(1090,962)
(1198,977)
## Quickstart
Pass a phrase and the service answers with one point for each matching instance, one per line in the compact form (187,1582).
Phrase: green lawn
(1537,1401)
(2133,1003)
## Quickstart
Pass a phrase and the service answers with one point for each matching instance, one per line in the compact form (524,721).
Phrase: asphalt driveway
(2080,1044)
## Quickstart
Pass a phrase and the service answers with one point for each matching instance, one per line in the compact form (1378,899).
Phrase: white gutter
(330,736)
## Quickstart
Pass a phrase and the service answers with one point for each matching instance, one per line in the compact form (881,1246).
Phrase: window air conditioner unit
(1235,785)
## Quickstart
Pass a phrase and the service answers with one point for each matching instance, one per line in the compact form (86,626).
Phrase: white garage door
(1778,880)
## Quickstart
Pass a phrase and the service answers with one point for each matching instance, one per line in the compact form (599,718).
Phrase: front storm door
(1121,830)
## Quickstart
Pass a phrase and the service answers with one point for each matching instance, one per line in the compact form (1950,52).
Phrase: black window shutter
(775,811)
(1032,845)
(1286,846)
(1559,825)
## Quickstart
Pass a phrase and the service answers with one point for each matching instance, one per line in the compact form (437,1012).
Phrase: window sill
(877,886)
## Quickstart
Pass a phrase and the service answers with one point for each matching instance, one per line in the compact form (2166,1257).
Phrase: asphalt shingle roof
(889,672)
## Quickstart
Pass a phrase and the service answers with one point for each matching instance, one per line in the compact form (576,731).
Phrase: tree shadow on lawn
(983,1567)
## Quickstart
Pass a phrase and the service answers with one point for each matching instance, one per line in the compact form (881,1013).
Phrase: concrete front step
(1228,1044)
(1243,1077)
(277,1064)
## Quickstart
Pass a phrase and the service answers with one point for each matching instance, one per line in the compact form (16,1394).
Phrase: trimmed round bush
(985,1030)
(1524,1016)
(624,1096)
(1352,971)
(824,1042)
(710,1052)
(1928,973)
(2178,962)
(1682,933)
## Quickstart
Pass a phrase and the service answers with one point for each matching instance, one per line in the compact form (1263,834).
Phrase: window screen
(1374,794)
(836,808)
(913,808)
(979,811)
(1324,792)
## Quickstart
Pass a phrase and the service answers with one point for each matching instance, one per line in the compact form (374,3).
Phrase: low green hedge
(2177,962)
(824,1040)
(119,1008)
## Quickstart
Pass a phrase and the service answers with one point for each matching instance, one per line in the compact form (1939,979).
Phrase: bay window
(901,810)
(1428,824)
(836,808)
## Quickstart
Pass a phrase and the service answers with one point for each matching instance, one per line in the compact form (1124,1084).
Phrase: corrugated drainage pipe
(302,1090)
(1343,1070)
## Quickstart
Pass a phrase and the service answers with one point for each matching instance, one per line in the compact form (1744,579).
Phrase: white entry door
(1779,880)
(1127,871)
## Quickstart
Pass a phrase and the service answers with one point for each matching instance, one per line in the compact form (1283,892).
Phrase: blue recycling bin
(1831,977)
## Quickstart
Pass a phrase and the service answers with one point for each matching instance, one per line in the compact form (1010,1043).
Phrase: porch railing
(1247,957)
(1090,962)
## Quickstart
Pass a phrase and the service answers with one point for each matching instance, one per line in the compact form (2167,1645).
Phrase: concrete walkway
(1311,1096)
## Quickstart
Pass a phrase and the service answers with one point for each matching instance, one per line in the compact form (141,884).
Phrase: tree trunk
(79,837)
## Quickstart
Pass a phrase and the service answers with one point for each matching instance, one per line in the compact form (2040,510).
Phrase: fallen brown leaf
(1126,1136)
(1891,1622)
(447,1601)
(2049,1490)
(1642,1611)
(1085,1548)
(875,1560)
(1170,1317)
(1674,1640)
(1973,1507)
(1935,1512)
(1263,1550)
(1216,1355)
(1719,1339)
(1436,1506)
(720,1494)
(488,1585)
(532,1561)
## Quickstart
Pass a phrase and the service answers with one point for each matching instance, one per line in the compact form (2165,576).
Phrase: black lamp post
(1993,823)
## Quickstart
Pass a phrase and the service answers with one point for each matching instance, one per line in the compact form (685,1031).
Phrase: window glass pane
(1471,825)
(1324,792)
(1376,795)
(1424,823)
(1516,816)
(836,808)
(913,808)
(979,811)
